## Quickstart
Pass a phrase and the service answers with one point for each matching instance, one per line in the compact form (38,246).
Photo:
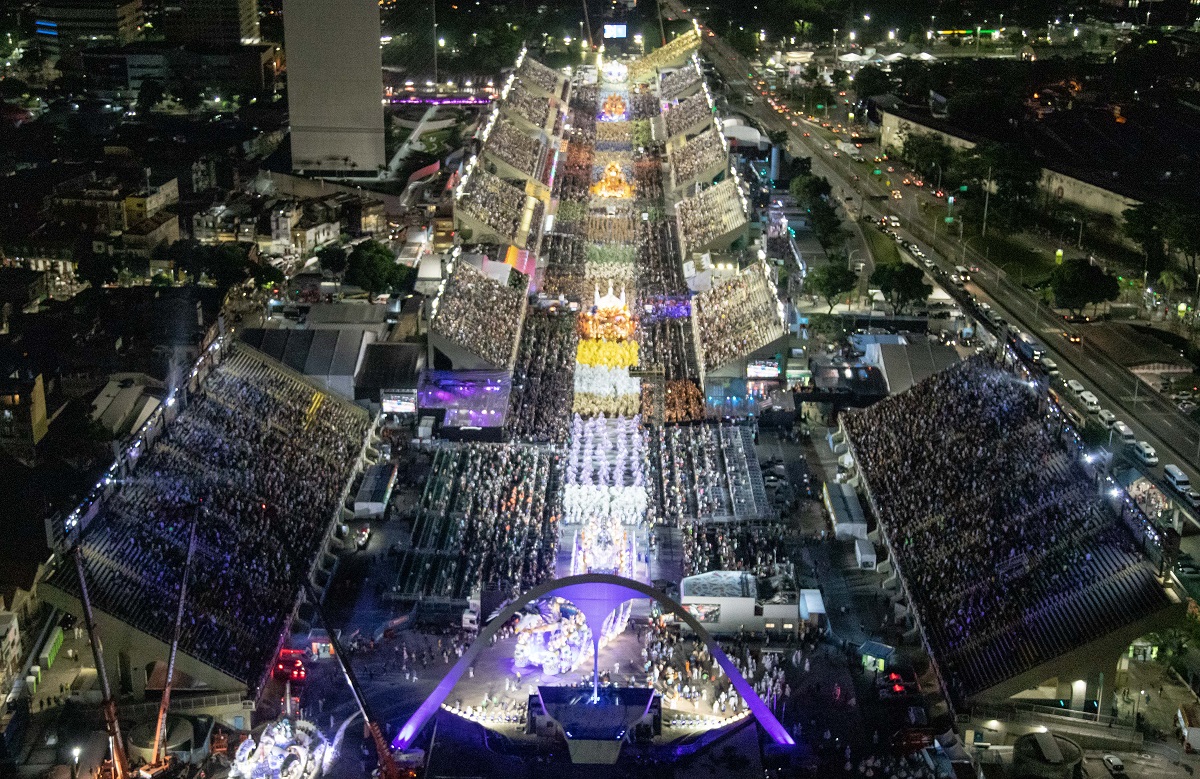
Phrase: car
(807,135)
(1107,418)
(1114,765)
(939,194)
(826,147)
(918,183)
(362,536)
(1192,497)
(290,668)
(907,181)
(1071,338)
(897,195)
(1077,319)
(837,154)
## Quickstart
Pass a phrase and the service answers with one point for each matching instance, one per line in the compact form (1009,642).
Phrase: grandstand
(688,116)
(488,516)
(678,84)
(538,76)
(524,154)
(1017,570)
(478,320)
(737,318)
(674,53)
(712,219)
(496,211)
(701,159)
(268,457)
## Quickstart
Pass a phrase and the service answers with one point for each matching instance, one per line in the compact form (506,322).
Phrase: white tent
(925,57)
(896,56)
(850,57)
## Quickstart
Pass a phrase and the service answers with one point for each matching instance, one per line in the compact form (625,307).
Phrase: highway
(1153,417)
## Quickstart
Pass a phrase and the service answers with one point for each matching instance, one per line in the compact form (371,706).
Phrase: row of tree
(223,264)
(369,265)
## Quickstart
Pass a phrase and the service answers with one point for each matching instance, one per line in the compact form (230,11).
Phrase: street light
(75,752)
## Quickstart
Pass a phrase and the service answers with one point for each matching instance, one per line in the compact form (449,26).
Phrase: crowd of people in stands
(550,80)
(494,202)
(698,155)
(489,515)
(480,314)
(533,108)
(540,409)
(675,81)
(518,148)
(257,462)
(710,214)
(687,114)
(737,316)
(1001,525)
(614,136)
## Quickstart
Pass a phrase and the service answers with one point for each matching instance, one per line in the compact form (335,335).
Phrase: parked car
(1114,765)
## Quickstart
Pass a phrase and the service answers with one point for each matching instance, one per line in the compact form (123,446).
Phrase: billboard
(615,30)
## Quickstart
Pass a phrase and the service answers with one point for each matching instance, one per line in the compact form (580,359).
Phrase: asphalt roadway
(1153,417)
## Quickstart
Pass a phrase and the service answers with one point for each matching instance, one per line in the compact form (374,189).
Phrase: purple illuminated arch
(596,595)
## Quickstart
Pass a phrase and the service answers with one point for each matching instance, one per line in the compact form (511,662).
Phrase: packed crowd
(1001,531)
(494,202)
(673,82)
(659,270)
(531,107)
(488,515)
(540,410)
(606,391)
(759,549)
(619,227)
(259,460)
(707,471)
(687,114)
(710,214)
(550,80)
(683,401)
(647,177)
(667,344)
(574,174)
(703,153)
(610,261)
(676,49)
(737,317)
(643,105)
(480,314)
(509,143)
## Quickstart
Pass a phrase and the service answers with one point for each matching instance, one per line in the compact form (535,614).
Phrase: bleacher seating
(267,456)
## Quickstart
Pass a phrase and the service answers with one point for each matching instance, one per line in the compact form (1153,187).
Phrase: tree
(811,73)
(839,77)
(372,266)
(264,274)
(189,94)
(1078,283)
(809,189)
(1141,226)
(778,138)
(1181,225)
(830,282)
(872,81)
(827,226)
(901,283)
(1170,282)
(149,95)
(333,258)
(96,268)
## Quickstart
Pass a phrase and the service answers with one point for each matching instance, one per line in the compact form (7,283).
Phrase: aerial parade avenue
(633,389)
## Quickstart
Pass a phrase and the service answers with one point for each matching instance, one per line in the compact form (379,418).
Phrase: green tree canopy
(1078,283)
(902,284)
(872,81)
(333,258)
(372,266)
(831,282)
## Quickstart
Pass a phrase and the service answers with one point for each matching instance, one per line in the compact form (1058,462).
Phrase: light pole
(1079,242)
(939,167)
(75,752)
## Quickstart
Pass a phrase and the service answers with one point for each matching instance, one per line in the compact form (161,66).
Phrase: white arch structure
(596,595)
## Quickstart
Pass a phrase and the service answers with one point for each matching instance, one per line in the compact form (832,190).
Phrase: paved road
(1152,417)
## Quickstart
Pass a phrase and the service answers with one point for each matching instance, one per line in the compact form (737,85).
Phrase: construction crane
(120,763)
(388,769)
(159,760)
